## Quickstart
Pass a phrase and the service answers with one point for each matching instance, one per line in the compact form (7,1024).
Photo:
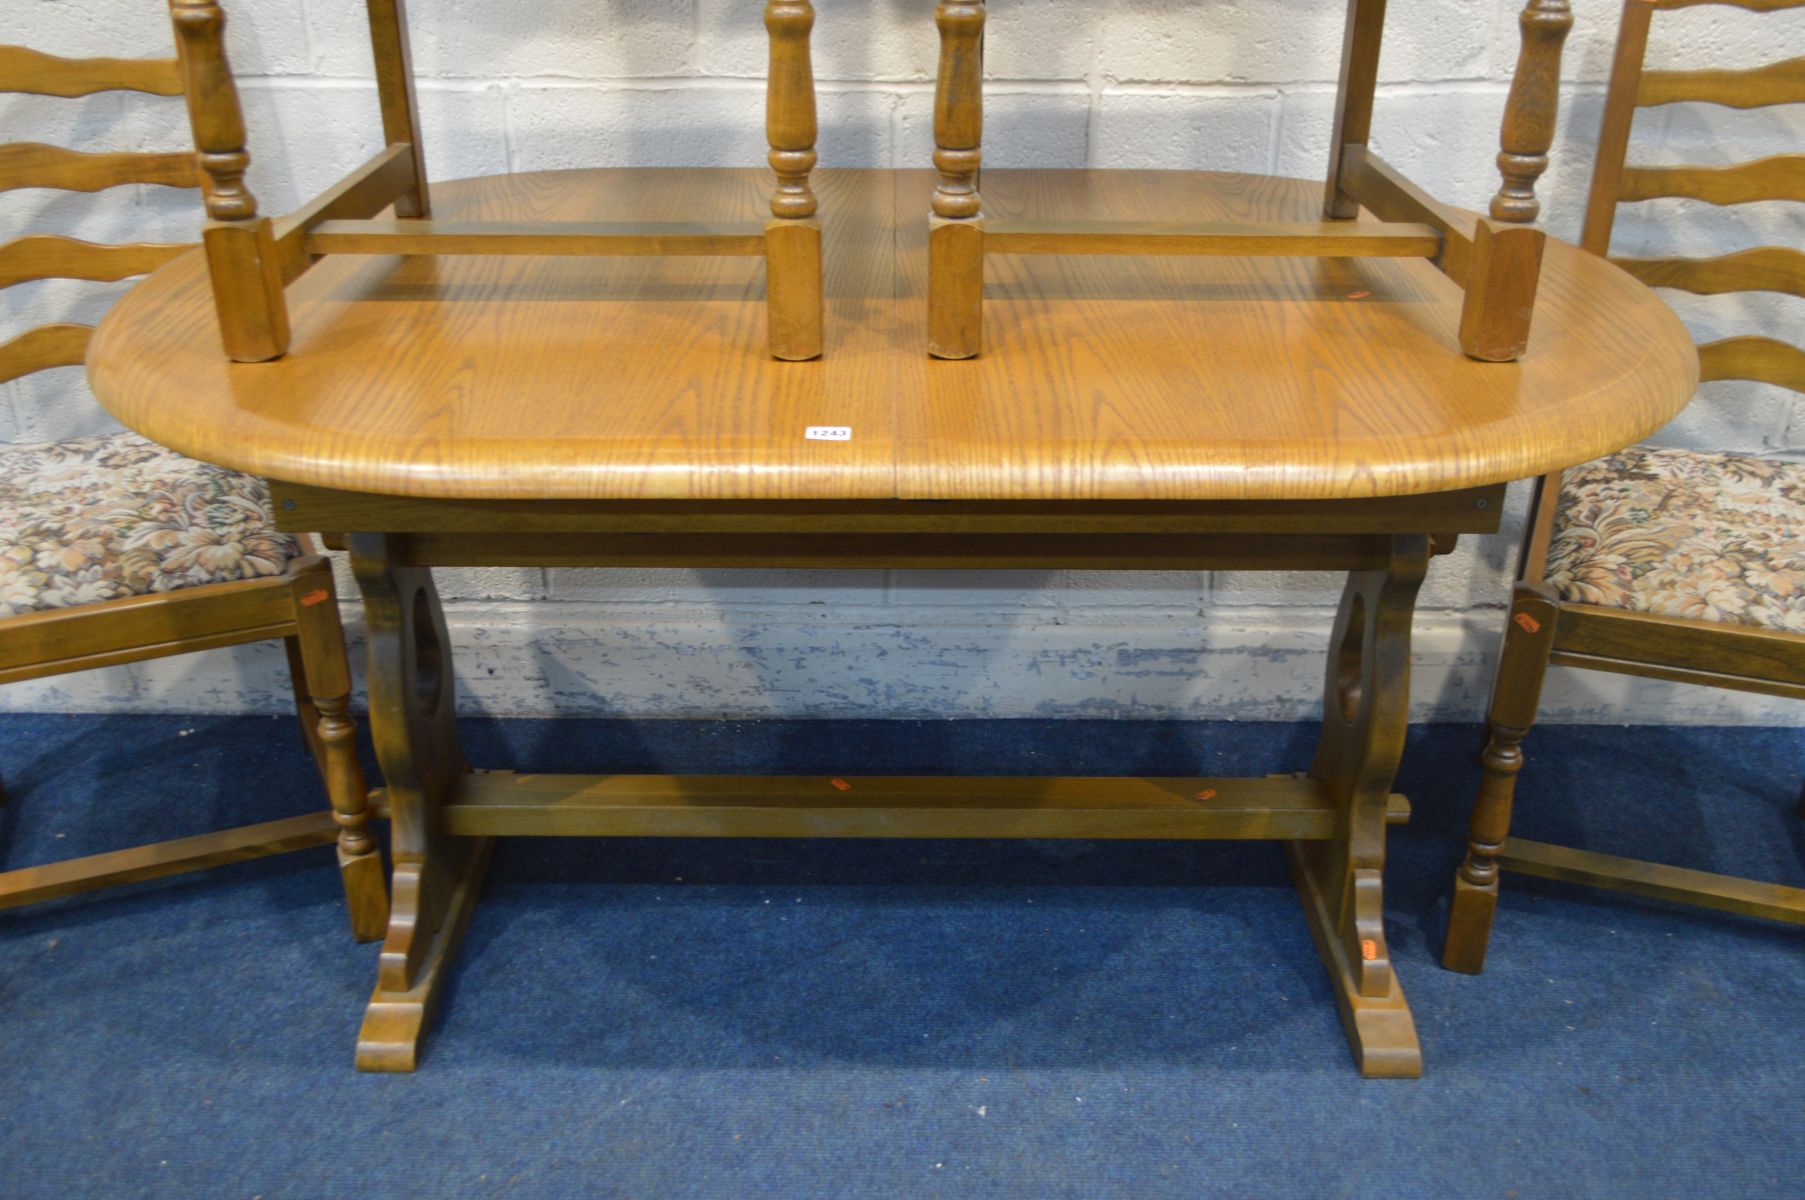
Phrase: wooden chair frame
(252,258)
(1497,263)
(1544,629)
(298,606)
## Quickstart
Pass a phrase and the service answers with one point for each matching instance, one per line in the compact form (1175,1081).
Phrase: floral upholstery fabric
(104,517)
(1681,533)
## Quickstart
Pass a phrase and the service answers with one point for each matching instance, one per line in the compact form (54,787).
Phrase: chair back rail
(1781,177)
(1763,268)
(33,71)
(1756,359)
(1775,83)
(50,256)
(1781,269)
(1759,6)
(35,165)
(43,347)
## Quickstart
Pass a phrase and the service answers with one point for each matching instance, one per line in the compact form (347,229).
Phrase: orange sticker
(1207,794)
(1527,623)
(1358,295)
(1369,949)
(842,785)
(313,598)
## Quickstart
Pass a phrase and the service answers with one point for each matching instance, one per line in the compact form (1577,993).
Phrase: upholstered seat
(1682,533)
(99,518)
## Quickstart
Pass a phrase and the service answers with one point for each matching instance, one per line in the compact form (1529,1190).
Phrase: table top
(1103,378)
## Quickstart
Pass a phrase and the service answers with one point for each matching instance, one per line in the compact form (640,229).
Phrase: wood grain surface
(1105,378)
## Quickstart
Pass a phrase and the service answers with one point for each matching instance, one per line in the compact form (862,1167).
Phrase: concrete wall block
(1305,125)
(1475,576)
(635,586)
(490,583)
(1184,131)
(996,590)
(1021,128)
(1209,41)
(11,431)
(719,125)
(1792,438)
(466,39)
(1031,39)
(1743,418)
(1206,41)
(1088,594)
(1447,142)
(1707,135)
(304,137)
(850,42)
(804,594)
(1041,39)
(1316,590)
(1723,37)
(51,406)
(77,28)
(465,130)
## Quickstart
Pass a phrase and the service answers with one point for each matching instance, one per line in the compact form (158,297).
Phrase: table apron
(1090,552)
(310,509)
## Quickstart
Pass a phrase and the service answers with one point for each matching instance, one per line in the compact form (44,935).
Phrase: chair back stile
(1615,181)
(35,165)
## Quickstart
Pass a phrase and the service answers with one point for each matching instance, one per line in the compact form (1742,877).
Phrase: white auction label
(828,433)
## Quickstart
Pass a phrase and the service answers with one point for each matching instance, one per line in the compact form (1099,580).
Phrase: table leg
(1366,702)
(413,718)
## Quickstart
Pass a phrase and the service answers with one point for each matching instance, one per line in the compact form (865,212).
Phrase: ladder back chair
(115,550)
(1669,564)
(252,258)
(1496,260)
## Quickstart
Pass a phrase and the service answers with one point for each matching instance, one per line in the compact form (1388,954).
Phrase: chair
(1669,564)
(252,258)
(115,550)
(1496,260)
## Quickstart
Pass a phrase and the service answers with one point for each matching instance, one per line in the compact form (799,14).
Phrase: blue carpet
(847,1019)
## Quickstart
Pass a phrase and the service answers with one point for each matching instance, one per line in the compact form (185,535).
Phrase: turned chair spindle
(956,237)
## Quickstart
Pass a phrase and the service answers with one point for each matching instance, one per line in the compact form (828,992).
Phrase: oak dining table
(1127,412)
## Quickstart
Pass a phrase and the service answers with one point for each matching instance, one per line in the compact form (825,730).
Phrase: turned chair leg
(1528,639)
(323,696)
(305,710)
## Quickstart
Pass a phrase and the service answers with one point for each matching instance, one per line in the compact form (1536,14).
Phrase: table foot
(1380,1029)
(424,931)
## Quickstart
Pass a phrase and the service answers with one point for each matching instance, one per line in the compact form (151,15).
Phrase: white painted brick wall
(1233,84)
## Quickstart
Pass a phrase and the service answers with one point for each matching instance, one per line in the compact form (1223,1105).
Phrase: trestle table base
(1331,819)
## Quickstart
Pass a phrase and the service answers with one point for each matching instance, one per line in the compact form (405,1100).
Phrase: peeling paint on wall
(515,660)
